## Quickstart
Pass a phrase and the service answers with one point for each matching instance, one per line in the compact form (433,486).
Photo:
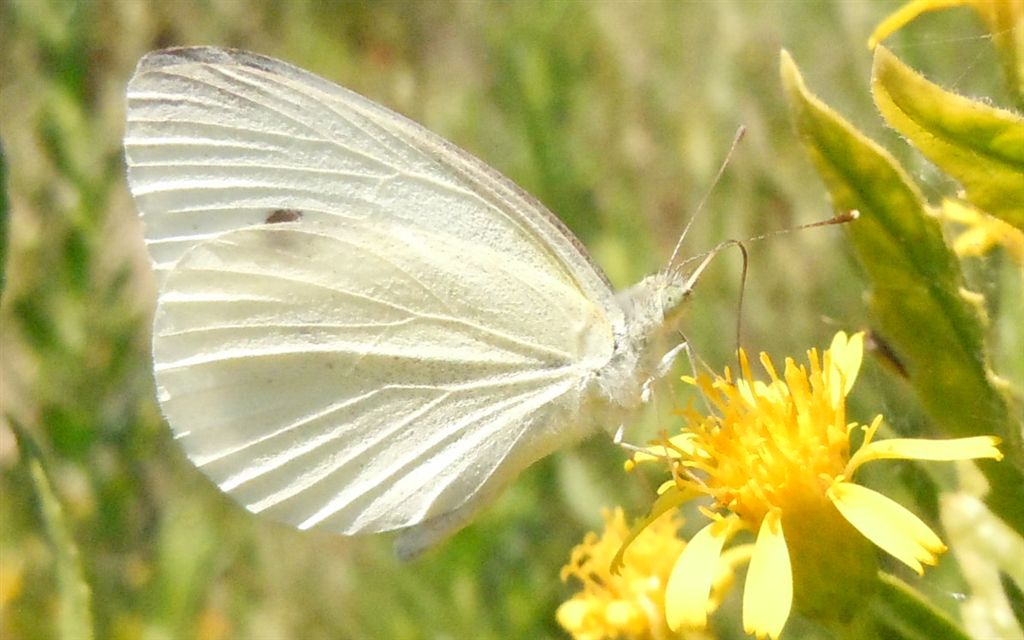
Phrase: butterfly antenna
(705,260)
(839,218)
(740,132)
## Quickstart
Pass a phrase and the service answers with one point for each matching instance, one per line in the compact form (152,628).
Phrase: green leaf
(1014,595)
(905,613)
(980,146)
(917,296)
(1005,21)
(74,616)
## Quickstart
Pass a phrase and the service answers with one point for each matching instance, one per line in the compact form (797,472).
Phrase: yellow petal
(572,614)
(905,14)
(847,354)
(768,594)
(983,231)
(921,449)
(672,498)
(677,446)
(974,242)
(689,586)
(887,524)
(665,486)
(957,211)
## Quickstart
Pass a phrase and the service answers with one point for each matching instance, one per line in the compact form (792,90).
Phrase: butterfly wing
(370,378)
(219,139)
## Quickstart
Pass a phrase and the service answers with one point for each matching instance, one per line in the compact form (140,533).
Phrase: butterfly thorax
(650,308)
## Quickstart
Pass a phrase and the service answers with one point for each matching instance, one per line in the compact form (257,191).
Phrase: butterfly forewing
(217,139)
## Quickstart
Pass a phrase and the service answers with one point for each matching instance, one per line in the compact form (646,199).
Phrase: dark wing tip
(173,56)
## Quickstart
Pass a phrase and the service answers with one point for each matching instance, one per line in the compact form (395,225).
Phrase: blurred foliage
(74,614)
(5,215)
(616,115)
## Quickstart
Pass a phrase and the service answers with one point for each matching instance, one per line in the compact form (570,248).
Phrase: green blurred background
(615,114)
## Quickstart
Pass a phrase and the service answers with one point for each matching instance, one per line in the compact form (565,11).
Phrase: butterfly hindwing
(372,377)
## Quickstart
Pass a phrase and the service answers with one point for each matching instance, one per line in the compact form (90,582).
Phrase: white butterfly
(360,326)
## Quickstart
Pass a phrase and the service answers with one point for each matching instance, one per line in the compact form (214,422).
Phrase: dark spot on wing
(283,215)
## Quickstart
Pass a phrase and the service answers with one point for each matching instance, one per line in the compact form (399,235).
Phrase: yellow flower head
(630,604)
(775,459)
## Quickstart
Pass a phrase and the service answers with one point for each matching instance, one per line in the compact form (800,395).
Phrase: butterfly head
(654,304)
(674,289)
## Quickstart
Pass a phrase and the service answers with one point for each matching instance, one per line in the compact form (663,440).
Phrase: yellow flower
(982,232)
(630,604)
(775,459)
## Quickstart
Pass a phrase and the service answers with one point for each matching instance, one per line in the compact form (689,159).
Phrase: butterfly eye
(673,297)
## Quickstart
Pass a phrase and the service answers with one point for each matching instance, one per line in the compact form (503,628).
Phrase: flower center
(772,445)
